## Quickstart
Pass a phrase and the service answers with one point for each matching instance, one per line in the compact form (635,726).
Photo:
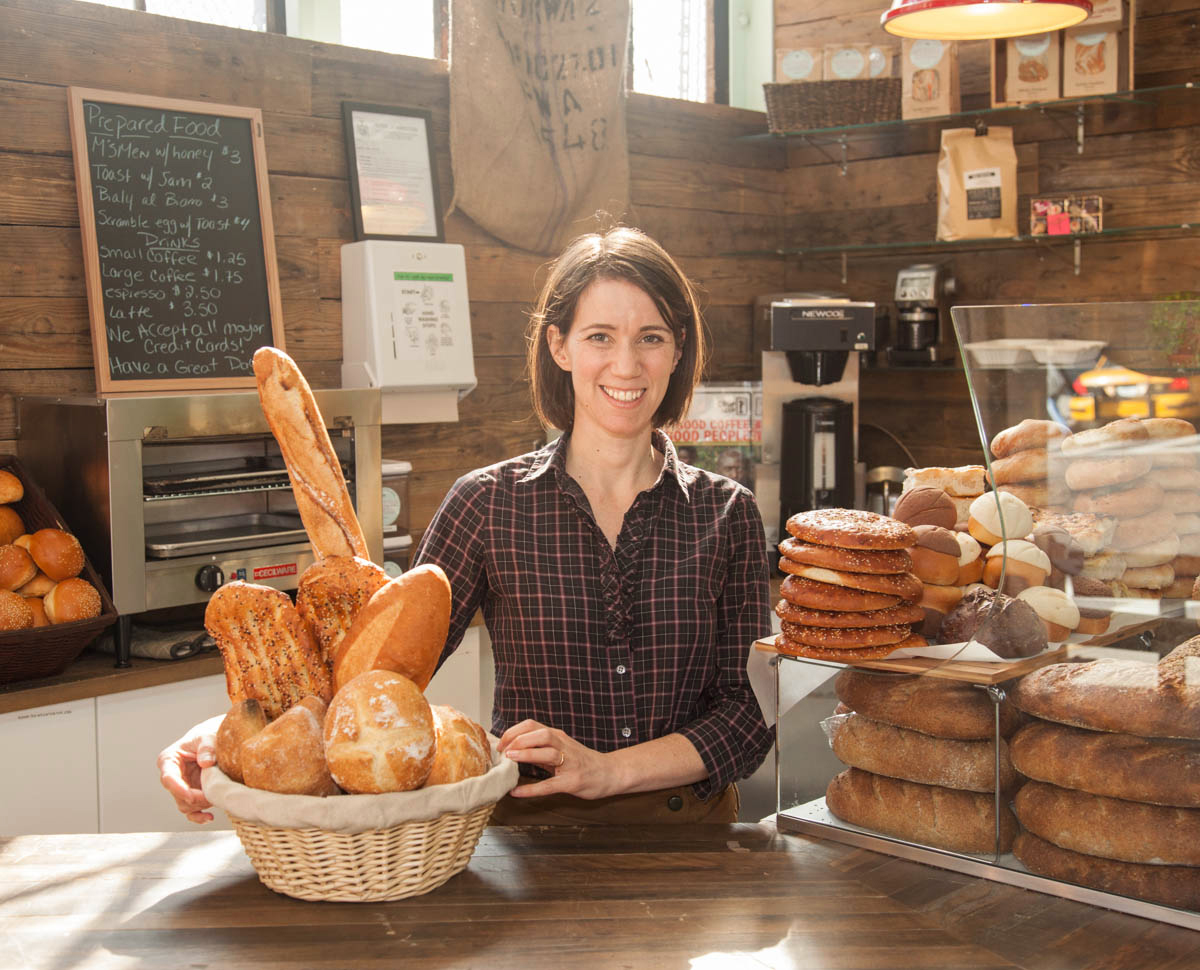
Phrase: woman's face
(620,354)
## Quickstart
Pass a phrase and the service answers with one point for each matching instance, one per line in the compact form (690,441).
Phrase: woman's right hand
(179,766)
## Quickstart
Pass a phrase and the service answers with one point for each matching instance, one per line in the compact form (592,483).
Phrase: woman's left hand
(578,770)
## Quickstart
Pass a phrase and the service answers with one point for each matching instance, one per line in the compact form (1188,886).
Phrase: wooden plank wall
(695,187)
(1141,158)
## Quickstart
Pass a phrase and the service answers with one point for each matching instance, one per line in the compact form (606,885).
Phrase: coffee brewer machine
(921,291)
(810,405)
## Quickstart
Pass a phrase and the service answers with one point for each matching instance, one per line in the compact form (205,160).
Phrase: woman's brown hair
(625,254)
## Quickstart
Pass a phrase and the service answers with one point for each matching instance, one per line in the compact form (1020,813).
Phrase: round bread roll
(1181,478)
(1021,562)
(942,599)
(1157,553)
(988,511)
(1093,622)
(1007,626)
(1141,529)
(1021,466)
(1160,428)
(379,734)
(1088,473)
(39,611)
(244,720)
(1041,495)
(1057,610)
(11,526)
(288,755)
(926,505)
(1123,501)
(15,611)
(57,553)
(1030,433)
(970,559)
(11,489)
(1110,437)
(72,599)
(40,585)
(23,541)
(462,747)
(935,555)
(1148,577)
(16,567)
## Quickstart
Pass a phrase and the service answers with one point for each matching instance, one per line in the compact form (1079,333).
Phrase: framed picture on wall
(393,184)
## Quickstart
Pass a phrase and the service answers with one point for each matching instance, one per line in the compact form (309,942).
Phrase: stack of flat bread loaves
(328,691)
(1114,762)
(922,761)
(1028,463)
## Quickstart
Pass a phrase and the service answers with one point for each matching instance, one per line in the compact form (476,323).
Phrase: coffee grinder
(921,291)
(810,405)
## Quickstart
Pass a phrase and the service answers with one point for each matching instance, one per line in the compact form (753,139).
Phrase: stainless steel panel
(223,534)
(172,582)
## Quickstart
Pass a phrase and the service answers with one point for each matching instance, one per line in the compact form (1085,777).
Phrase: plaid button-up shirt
(613,646)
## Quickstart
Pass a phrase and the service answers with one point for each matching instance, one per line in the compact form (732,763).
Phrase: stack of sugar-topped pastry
(1114,761)
(922,760)
(849,592)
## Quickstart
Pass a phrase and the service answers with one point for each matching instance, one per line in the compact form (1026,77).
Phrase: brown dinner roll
(23,541)
(11,526)
(72,599)
(379,734)
(16,567)
(935,555)
(11,489)
(926,505)
(244,720)
(15,611)
(288,755)
(462,747)
(39,610)
(57,553)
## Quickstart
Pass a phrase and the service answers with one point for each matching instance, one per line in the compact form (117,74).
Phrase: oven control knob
(210,578)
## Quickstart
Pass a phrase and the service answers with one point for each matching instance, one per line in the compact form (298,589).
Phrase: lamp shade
(981,19)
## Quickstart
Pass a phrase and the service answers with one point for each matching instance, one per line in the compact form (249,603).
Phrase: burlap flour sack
(537,116)
(977,184)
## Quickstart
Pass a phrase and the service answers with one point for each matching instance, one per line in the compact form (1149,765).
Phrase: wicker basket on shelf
(48,650)
(798,106)
(362,848)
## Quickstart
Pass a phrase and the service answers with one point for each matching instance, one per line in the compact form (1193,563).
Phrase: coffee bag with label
(977,184)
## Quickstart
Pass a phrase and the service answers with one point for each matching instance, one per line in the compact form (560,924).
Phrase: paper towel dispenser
(406,327)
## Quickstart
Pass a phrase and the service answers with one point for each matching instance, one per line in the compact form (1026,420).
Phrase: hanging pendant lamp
(981,19)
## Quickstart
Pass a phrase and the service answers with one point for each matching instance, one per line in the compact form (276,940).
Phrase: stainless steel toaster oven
(173,495)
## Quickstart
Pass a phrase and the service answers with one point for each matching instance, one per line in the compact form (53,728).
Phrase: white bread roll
(244,720)
(1057,610)
(984,518)
(379,734)
(462,747)
(288,755)
(402,628)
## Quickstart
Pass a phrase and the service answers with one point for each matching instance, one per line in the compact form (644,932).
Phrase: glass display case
(1067,760)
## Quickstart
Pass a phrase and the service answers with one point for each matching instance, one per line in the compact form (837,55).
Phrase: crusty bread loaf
(288,755)
(316,473)
(960,821)
(1177,886)
(331,594)
(379,734)
(268,650)
(462,747)
(1122,696)
(931,705)
(1111,828)
(244,720)
(1159,771)
(884,749)
(402,628)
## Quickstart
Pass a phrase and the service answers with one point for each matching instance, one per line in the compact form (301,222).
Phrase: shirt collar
(554,455)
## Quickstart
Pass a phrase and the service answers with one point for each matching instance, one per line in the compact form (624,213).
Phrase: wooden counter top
(667,897)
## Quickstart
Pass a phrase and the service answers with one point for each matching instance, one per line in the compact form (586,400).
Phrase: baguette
(959,821)
(268,650)
(1111,828)
(1159,771)
(313,467)
(943,708)
(900,753)
(402,628)
(1177,886)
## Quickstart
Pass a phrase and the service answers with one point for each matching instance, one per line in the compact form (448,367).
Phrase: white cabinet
(49,758)
(460,681)
(132,727)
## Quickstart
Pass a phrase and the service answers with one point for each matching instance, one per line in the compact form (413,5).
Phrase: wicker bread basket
(797,106)
(47,650)
(361,848)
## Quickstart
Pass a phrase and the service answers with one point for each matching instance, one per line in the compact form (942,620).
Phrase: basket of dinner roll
(52,602)
(340,778)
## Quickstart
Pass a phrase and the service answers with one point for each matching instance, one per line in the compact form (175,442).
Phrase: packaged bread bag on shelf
(977,184)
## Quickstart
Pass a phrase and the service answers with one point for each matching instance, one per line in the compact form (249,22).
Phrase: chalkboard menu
(178,246)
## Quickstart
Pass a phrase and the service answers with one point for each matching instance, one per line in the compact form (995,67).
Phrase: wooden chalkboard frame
(105,384)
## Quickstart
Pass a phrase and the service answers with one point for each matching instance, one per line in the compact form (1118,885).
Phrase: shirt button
(620,668)
(626,732)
